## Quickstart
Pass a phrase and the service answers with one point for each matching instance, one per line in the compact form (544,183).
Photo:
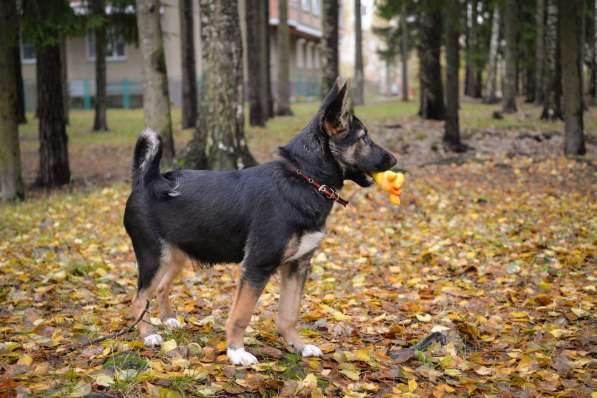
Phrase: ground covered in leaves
(497,253)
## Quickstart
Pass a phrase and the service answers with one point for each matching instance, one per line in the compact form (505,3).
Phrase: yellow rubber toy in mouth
(390,182)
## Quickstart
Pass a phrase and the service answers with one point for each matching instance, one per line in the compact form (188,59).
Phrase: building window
(315,7)
(28,55)
(306,5)
(115,46)
(300,61)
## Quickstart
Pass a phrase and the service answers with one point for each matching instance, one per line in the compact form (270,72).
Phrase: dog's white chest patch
(309,241)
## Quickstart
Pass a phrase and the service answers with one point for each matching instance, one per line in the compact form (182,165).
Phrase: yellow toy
(390,182)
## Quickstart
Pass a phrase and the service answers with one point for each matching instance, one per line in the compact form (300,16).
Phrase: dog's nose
(390,160)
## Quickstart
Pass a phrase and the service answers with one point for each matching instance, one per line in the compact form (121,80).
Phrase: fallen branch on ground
(407,353)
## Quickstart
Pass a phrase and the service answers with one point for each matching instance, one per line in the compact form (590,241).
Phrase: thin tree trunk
(570,11)
(432,96)
(359,73)
(591,54)
(21,110)
(269,96)
(593,83)
(189,75)
(64,72)
(404,51)
(11,182)
(54,168)
(219,141)
(552,88)
(156,101)
(467,47)
(99,121)
(283,85)
(329,45)
(452,126)
(510,80)
(472,80)
(256,81)
(490,97)
(540,53)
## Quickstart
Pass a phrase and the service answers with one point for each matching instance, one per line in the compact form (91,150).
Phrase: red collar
(325,190)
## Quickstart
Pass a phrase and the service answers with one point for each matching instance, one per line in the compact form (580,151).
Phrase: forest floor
(495,248)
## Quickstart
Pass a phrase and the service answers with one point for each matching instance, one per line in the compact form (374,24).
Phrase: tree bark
(570,12)
(189,75)
(156,102)
(359,72)
(472,88)
(510,81)
(540,53)
(256,67)
(404,51)
(283,85)
(219,142)
(591,43)
(490,97)
(593,77)
(21,110)
(99,121)
(11,182)
(452,126)
(552,83)
(64,72)
(54,168)
(329,45)
(269,96)
(432,96)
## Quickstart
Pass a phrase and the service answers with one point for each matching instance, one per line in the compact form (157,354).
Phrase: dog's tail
(146,161)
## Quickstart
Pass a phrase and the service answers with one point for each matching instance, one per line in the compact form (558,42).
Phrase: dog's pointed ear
(335,107)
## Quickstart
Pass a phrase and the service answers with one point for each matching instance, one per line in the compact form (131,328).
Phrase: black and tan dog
(270,218)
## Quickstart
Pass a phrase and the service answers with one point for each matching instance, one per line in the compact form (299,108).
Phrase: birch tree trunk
(404,51)
(432,95)
(359,73)
(189,75)
(283,84)
(489,96)
(540,53)
(100,122)
(570,12)
(452,125)
(329,45)
(219,141)
(552,84)
(11,182)
(510,80)
(156,101)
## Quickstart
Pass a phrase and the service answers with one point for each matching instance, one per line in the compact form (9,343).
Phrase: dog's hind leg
(172,261)
(293,276)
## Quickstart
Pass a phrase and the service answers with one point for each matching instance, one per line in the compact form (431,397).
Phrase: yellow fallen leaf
(169,345)
(519,314)
(412,385)
(483,371)
(25,360)
(424,317)
(351,374)
(104,380)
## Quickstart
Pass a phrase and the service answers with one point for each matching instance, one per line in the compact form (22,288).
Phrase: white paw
(238,356)
(173,323)
(311,351)
(153,340)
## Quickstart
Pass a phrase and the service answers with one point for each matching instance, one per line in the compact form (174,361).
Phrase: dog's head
(350,145)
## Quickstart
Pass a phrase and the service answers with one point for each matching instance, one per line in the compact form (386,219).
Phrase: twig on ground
(407,353)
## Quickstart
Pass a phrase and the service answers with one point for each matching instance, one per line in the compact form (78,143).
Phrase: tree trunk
(219,141)
(156,102)
(452,126)
(490,97)
(552,88)
(99,121)
(404,51)
(540,53)
(359,73)
(432,96)
(189,75)
(268,63)
(329,45)
(510,23)
(21,110)
(570,12)
(11,182)
(64,72)
(283,85)
(54,169)
(472,80)
(593,82)
(255,49)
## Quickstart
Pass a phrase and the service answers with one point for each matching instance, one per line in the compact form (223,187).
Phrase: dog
(269,218)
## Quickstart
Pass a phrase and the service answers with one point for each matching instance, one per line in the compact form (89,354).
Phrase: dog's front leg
(247,294)
(293,276)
